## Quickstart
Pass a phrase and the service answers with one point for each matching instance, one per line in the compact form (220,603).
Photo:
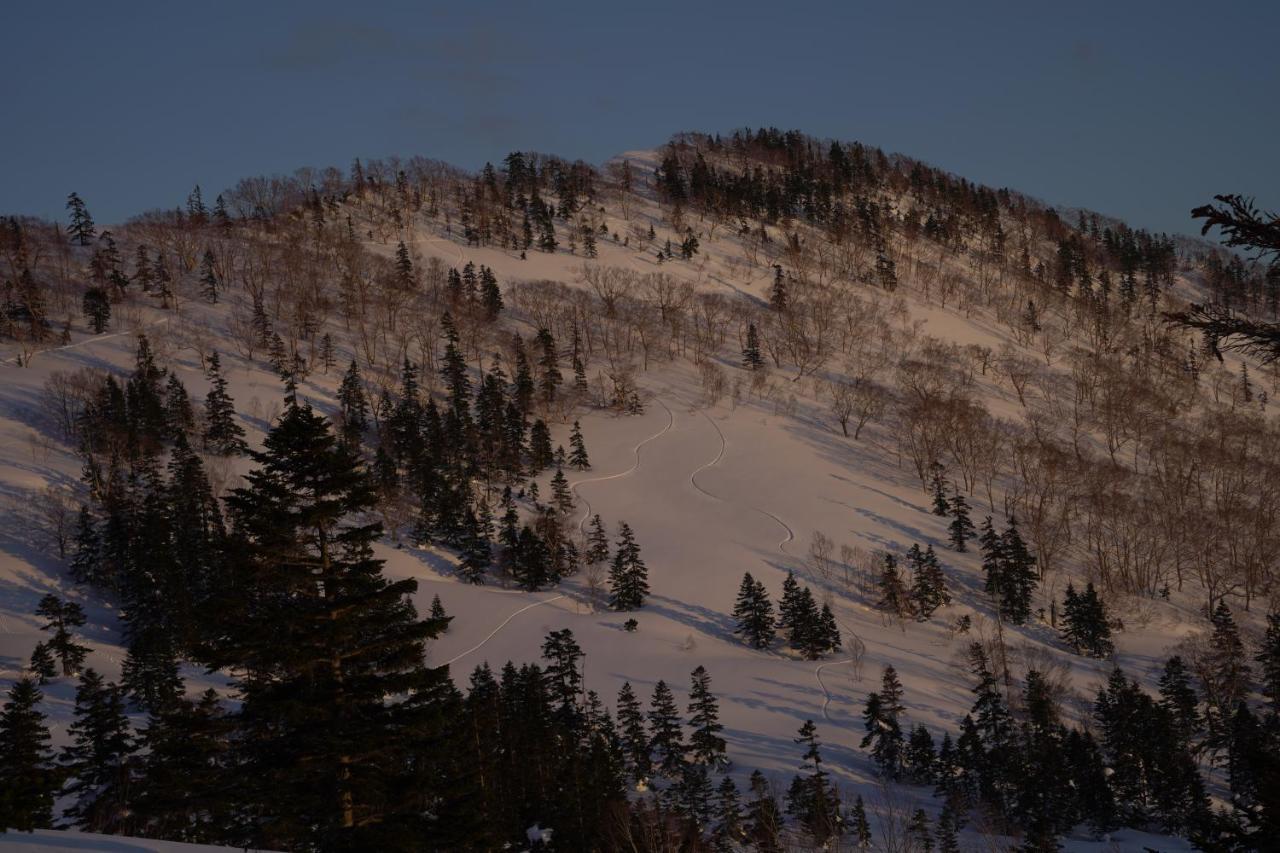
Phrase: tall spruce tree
(99,759)
(353,403)
(28,778)
(86,557)
(634,737)
(666,738)
(706,746)
(961,527)
(628,576)
(789,605)
(81,229)
(578,449)
(938,484)
(597,541)
(209,283)
(754,613)
(751,358)
(339,707)
(1018,575)
(928,583)
(812,799)
(882,720)
(222,433)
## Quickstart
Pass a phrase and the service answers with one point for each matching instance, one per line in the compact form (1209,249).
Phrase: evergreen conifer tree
(830,632)
(778,297)
(1227,674)
(209,277)
(751,358)
(438,613)
(98,760)
(928,584)
(1268,659)
(754,613)
(354,406)
(96,307)
(992,559)
(578,449)
(491,294)
(893,592)
(728,811)
(938,481)
(561,495)
(179,792)
(549,362)
(706,746)
(666,740)
(1179,699)
(329,654)
(597,541)
(404,267)
(634,737)
(62,618)
(882,720)
(222,434)
(43,666)
(178,413)
(812,799)
(28,778)
(628,576)
(81,229)
(1018,576)
(86,558)
(961,528)
(764,821)
(540,453)
(920,758)
(789,605)
(946,831)
(1085,626)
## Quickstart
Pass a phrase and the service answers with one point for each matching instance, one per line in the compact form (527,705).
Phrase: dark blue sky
(1141,110)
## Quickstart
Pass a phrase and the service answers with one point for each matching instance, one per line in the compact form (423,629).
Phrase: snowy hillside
(1050,416)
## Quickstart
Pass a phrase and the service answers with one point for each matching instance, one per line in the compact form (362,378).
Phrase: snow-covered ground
(54,841)
(712,491)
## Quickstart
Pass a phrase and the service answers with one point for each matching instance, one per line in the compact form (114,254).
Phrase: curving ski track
(495,631)
(782,546)
(93,340)
(791,534)
(582,522)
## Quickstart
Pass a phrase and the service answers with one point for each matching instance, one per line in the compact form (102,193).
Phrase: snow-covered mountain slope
(719,476)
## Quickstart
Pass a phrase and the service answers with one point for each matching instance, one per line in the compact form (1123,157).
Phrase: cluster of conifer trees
(1015,764)
(810,630)
(926,592)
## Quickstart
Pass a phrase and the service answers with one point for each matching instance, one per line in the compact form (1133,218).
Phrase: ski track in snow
(582,522)
(495,631)
(93,340)
(782,546)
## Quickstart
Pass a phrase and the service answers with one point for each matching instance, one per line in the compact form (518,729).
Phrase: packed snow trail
(495,631)
(582,523)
